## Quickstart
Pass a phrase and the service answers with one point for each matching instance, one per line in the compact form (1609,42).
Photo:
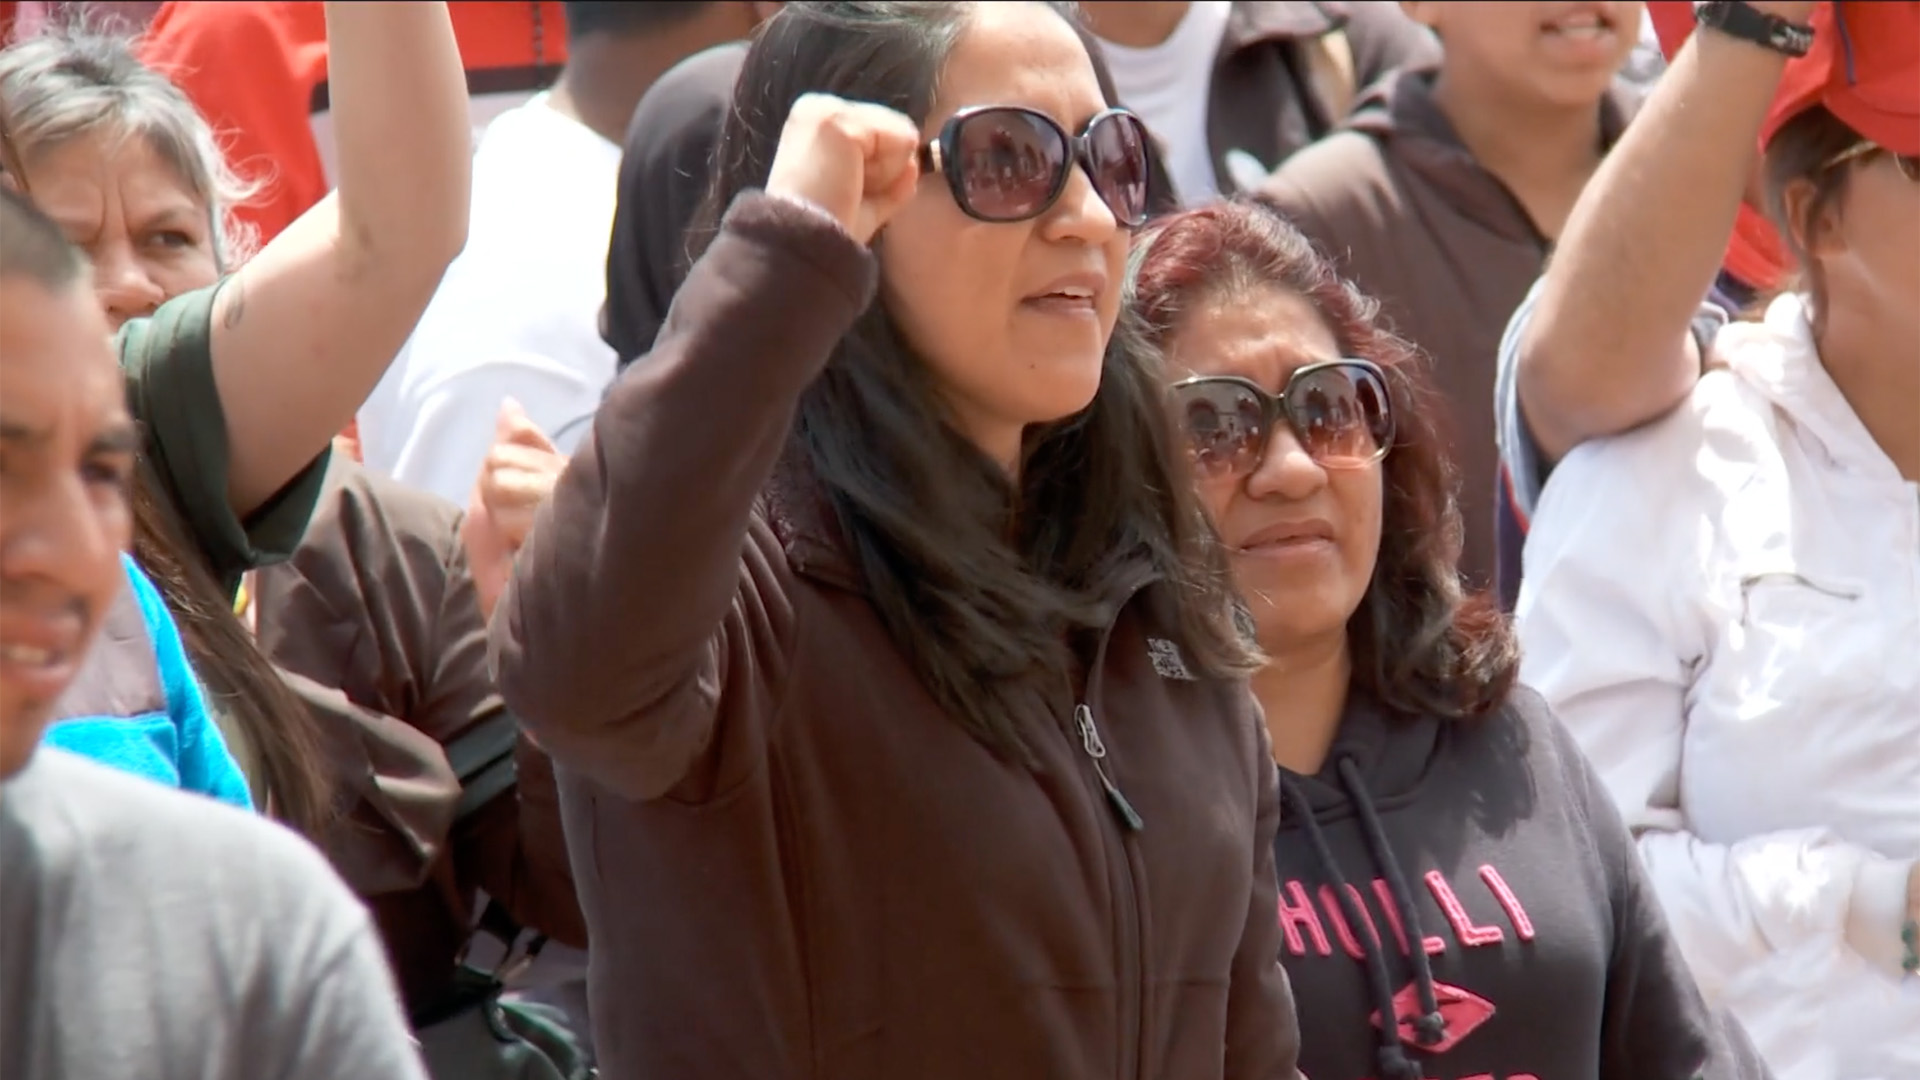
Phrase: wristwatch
(1748,23)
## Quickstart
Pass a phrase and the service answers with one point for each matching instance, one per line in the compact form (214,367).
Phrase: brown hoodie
(1287,73)
(792,863)
(1415,221)
(374,624)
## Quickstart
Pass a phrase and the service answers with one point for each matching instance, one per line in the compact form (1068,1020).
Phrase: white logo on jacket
(1167,661)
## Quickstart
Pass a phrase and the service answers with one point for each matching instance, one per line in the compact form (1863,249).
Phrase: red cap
(1864,67)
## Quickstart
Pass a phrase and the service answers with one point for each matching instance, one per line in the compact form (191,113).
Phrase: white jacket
(1724,607)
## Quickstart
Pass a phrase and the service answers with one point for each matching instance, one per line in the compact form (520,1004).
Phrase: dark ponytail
(280,742)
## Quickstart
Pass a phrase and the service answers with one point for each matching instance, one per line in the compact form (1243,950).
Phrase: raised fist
(857,161)
(517,476)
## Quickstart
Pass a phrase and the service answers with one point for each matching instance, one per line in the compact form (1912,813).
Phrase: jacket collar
(1778,358)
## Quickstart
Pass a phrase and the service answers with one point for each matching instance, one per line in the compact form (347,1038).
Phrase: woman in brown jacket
(895,689)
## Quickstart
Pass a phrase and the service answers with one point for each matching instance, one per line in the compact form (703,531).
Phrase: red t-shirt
(258,72)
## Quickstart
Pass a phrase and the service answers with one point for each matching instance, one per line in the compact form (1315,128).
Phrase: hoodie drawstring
(1429,1027)
(1390,1055)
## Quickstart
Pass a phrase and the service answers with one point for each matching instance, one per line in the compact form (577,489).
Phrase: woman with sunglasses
(1447,859)
(1752,695)
(901,711)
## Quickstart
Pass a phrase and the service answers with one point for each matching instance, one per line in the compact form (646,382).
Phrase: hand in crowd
(517,476)
(854,160)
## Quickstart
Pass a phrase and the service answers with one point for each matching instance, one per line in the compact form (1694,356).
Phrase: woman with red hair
(1447,859)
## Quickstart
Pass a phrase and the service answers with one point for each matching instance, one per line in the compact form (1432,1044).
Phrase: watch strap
(1742,20)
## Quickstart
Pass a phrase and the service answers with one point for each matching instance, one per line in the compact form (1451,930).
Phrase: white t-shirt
(1168,85)
(153,934)
(518,314)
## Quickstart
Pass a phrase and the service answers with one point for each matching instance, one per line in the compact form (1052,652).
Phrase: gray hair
(70,81)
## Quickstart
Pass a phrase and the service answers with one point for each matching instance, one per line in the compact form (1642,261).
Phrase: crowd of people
(879,538)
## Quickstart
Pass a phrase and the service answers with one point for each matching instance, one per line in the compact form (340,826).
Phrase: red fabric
(1672,23)
(1864,66)
(251,69)
(1755,256)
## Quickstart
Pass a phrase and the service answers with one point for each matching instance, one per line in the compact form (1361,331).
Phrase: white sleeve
(1611,571)
(443,429)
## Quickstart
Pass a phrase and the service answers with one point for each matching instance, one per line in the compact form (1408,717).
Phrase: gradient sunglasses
(1005,163)
(1338,409)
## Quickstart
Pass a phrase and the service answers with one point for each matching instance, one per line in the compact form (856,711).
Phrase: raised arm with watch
(1752,22)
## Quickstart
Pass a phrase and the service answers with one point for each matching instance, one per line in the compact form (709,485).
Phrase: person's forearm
(305,330)
(399,101)
(1608,345)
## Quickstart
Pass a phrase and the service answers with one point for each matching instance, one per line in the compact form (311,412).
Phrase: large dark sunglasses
(1337,409)
(1004,163)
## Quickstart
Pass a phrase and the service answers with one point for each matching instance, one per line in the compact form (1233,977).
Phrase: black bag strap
(482,758)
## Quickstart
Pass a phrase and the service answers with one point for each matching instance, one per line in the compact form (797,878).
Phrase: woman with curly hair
(1447,859)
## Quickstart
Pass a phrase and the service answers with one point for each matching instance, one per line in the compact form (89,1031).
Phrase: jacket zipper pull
(1097,750)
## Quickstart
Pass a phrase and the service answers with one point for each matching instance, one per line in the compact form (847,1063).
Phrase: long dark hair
(282,738)
(1420,643)
(983,586)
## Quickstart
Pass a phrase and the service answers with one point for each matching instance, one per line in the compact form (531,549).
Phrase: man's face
(67,451)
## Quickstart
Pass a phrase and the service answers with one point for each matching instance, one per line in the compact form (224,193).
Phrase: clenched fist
(857,161)
(516,478)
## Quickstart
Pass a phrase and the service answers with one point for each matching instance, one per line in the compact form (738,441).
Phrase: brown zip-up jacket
(374,624)
(792,863)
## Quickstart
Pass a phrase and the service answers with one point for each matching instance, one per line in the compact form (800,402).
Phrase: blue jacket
(137,705)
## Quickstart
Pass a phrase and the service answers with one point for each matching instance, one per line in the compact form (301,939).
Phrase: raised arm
(302,333)
(1607,347)
(649,589)
(651,600)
